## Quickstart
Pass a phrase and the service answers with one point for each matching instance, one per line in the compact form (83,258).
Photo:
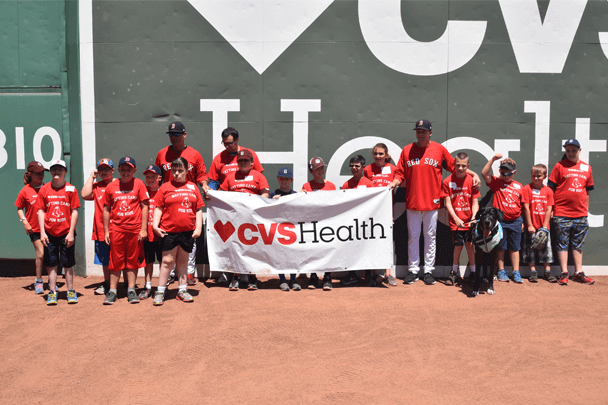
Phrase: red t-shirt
(99,190)
(27,200)
(57,203)
(364,182)
(380,176)
(151,204)
(197,172)
(253,182)
(572,181)
(179,202)
(539,200)
(314,186)
(225,163)
(124,200)
(422,170)
(462,194)
(507,197)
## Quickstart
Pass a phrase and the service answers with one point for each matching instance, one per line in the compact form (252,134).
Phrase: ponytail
(27,178)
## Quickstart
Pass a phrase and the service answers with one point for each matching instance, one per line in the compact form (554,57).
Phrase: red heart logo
(224,230)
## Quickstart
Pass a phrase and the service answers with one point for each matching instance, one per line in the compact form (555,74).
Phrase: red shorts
(125,251)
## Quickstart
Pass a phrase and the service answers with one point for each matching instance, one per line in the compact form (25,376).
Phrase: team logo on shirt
(509,198)
(539,208)
(186,202)
(57,212)
(576,183)
(462,203)
(123,206)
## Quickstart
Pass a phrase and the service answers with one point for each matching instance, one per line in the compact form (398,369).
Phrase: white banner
(300,233)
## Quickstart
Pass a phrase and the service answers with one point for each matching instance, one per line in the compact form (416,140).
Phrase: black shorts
(183,239)
(153,251)
(460,237)
(56,251)
(34,236)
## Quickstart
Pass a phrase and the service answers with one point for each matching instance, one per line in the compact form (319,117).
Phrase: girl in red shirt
(178,220)
(25,201)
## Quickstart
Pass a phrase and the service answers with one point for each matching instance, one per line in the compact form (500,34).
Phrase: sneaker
(284,286)
(102,289)
(313,281)
(390,280)
(171,279)
(517,277)
(550,277)
(253,283)
(51,299)
(563,279)
(234,284)
(350,279)
(327,284)
(410,278)
(39,286)
(132,297)
(295,286)
(191,279)
(72,297)
(159,299)
(185,296)
(503,276)
(110,298)
(428,279)
(581,278)
(145,293)
(452,278)
(379,279)
(370,281)
(533,277)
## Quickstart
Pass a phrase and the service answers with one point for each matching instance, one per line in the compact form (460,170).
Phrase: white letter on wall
(219,109)
(386,38)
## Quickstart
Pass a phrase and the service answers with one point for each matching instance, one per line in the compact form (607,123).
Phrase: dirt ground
(531,343)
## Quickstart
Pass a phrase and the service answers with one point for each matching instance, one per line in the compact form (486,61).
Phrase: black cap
(176,127)
(510,166)
(423,124)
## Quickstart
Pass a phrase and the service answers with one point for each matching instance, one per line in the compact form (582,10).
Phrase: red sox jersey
(462,194)
(225,163)
(179,202)
(539,200)
(151,205)
(26,200)
(57,203)
(314,186)
(99,191)
(363,182)
(572,181)
(422,170)
(197,172)
(380,176)
(124,200)
(253,182)
(507,197)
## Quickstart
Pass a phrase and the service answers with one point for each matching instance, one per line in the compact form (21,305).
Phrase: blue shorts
(511,235)
(102,253)
(570,232)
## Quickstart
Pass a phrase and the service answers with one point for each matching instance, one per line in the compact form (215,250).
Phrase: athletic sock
(131,289)
(148,285)
(114,290)
(161,289)
(183,287)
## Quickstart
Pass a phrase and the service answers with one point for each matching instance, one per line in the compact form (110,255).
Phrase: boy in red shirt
(94,191)
(538,206)
(152,246)
(316,167)
(126,204)
(462,205)
(571,181)
(507,198)
(57,206)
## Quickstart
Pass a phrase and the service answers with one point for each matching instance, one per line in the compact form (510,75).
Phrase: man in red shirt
(197,172)
(420,166)
(571,180)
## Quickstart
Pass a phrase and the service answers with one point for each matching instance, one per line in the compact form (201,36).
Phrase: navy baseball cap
(423,124)
(572,142)
(176,127)
(128,160)
(154,169)
(285,172)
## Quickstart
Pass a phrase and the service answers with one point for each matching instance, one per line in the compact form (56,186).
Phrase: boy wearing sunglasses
(507,197)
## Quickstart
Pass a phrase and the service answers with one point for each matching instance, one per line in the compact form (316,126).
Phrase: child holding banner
(316,167)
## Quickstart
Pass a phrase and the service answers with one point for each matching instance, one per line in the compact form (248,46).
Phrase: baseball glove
(539,239)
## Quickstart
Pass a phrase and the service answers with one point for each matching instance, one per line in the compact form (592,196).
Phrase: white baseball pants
(427,221)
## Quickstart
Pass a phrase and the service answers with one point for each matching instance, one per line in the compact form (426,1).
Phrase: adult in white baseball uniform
(420,166)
